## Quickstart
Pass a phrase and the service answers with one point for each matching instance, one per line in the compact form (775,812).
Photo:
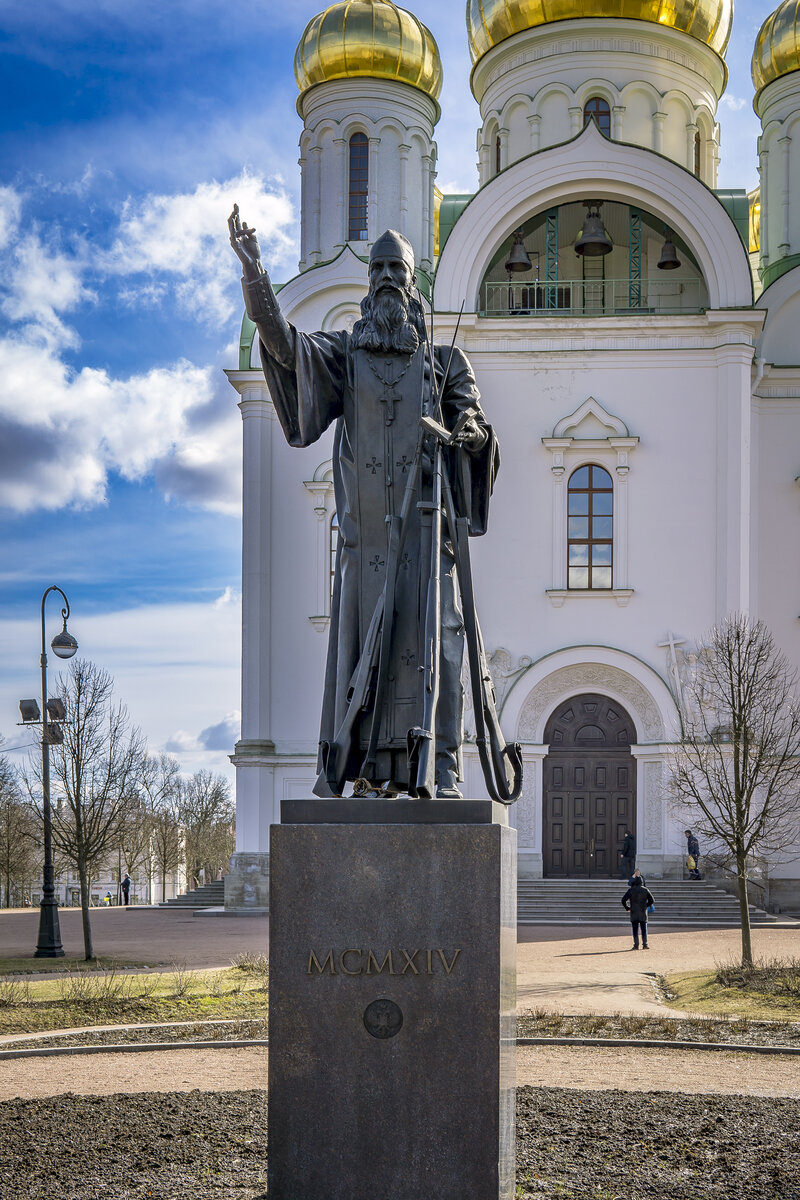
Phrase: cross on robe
(388,398)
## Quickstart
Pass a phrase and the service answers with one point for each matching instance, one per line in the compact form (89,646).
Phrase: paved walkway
(574,1067)
(564,968)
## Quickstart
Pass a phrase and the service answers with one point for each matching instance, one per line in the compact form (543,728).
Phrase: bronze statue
(414,463)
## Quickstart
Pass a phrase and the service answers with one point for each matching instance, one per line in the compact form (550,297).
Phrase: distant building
(646,393)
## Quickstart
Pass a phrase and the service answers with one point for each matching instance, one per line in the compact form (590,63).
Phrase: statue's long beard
(386,324)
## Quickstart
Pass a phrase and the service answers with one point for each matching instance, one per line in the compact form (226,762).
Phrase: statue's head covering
(395,245)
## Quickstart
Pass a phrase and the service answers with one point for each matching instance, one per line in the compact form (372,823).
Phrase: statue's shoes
(448,793)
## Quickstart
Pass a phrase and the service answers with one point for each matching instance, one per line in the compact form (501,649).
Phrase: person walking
(692,855)
(636,901)
(126,889)
(628,854)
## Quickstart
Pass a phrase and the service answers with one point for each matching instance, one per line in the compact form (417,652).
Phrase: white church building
(645,393)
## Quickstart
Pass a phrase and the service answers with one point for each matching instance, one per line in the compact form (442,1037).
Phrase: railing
(593,297)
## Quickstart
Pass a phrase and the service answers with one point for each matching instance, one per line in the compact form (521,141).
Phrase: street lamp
(53,715)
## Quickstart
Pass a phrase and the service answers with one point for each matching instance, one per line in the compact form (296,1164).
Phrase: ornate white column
(575,119)
(428,175)
(621,516)
(733,538)
(651,816)
(404,153)
(503,135)
(315,163)
(526,814)
(785,243)
(484,162)
(713,158)
(372,198)
(247,883)
(763,171)
(557,470)
(302,163)
(658,131)
(691,130)
(617,121)
(535,127)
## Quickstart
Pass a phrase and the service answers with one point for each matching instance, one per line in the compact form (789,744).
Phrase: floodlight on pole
(53,713)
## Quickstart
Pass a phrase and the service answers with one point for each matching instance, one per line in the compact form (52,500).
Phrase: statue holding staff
(393,695)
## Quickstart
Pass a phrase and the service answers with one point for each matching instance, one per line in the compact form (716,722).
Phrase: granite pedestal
(392,1001)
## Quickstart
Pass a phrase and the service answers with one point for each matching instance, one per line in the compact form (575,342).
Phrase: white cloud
(10,211)
(734,103)
(183,240)
(62,431)
(175,666)
(42,282)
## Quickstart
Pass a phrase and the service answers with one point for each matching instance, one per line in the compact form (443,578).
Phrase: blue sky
(126,132)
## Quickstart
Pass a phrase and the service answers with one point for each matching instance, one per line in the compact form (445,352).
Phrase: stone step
(209,895)
(597,901)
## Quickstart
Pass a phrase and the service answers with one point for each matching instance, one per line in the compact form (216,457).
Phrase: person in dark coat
(628,854)
(126,890)
(693,851)
(635,901)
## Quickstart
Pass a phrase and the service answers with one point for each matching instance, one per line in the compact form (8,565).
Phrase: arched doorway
(589,795)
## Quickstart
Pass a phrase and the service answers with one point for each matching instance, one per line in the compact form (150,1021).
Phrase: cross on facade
(671,644)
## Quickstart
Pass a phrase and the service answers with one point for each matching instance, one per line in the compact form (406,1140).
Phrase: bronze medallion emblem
(383,1018)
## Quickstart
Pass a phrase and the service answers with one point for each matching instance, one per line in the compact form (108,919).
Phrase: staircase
(597,902)
(210,895)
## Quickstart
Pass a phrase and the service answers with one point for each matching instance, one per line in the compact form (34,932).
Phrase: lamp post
(63,645)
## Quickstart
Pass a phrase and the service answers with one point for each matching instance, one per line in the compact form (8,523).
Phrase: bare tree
(737,769)
(20,837)
(93,775)
(161,793)
(208,819)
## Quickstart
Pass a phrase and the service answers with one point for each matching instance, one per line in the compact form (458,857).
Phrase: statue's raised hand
(245,245)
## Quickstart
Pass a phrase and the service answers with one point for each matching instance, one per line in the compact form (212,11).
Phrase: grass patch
(112,998)
(28,965)
(767,991)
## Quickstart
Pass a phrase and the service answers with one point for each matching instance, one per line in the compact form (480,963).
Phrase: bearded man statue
(374,385)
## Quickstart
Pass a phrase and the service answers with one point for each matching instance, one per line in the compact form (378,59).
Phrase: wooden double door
(589,798)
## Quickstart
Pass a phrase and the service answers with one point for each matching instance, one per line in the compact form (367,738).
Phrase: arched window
(698,143)
(333,544)
(596,109)
(359,181)
(590,528)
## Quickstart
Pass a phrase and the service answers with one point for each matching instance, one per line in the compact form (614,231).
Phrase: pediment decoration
(590,420)
(590,428)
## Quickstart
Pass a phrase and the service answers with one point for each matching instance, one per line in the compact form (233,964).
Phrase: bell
(518,259)
(669,256)
(593,239)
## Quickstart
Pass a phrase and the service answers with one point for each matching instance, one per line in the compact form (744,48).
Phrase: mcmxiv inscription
(356,961)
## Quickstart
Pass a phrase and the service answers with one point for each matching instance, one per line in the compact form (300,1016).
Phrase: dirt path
(540,1066)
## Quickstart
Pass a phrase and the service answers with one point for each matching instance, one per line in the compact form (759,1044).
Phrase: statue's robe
(319,380)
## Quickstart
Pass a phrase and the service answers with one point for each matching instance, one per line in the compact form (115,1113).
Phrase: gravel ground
(190,1031)
(667,1029)
(596,1146)
(532,1024)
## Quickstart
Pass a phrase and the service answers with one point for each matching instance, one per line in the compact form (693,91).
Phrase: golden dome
(777,48)
(492,21)
(368,37)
